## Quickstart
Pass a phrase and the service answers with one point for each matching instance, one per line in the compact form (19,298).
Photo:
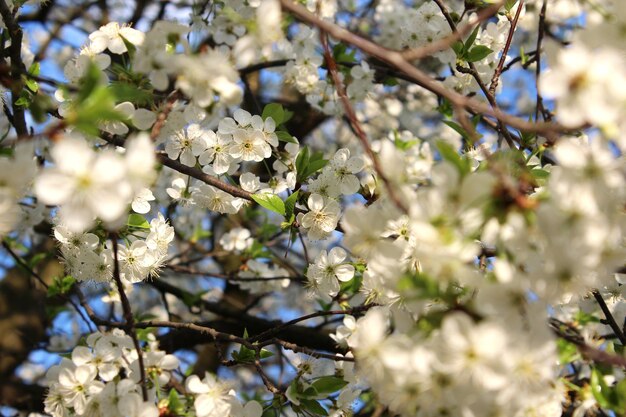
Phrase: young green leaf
(314,407)
(477,53)
(275,111)
(290,205)
(471,39)
(329,384)
(271,202)
(284,136)
(138,221)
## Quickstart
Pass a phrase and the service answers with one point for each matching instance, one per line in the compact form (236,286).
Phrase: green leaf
(124,91)
(138,221)
(88,82)
(174,404)
(451,155)
(329,384)
(264,353)
(31,84)
(302,162)
(288,116)
(271,202)
(244,355)
(61,285)
(341,54)
(457,128)
(290,205)
(568,352)
(35,260)
(540,173)
(275,111)
(314,407)
(508,5)
(22,101)
(284,136)
(315,166)
(599,389)
(477,53)
(458,49)
(34,69)
(390,81)
(471,39)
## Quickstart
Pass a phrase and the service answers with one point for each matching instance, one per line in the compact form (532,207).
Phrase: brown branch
(128,316)
(569,333)
(505,51)
(17,66)
(266,380)
(191,171)
(609,317)
(354,122)
(18,259)
(237,321)
(542,23)
(307,351)
(446,42)
(162,117)
(476,76)
(277,329)
(396,60)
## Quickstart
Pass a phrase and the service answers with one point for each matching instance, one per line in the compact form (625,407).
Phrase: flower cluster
(87,184)
(103,379)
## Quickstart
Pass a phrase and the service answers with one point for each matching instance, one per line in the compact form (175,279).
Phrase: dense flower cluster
(452,258)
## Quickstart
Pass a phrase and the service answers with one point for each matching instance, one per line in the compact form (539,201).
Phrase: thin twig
(444,43)
(609,317)
(17,66)
(542,26)
(128,316)
(162,117)
(396,60)
(505,51)
(354,122)
(307,351)
(476,76)
(191,171)
(18,259)
(273,331)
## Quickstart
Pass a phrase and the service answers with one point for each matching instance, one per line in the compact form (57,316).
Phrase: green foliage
(247,355)
(307,164)
(271,202)
(137,221)
(174,404)
(508,5)
(478,53)
(568,352)
(341,53)
(280,116)
(465,51)
(448,153)
(61,285)
(94,104)
(328,384)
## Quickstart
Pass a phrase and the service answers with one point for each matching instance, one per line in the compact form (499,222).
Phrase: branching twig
(609,317)
(444,43)
(277,329)
(18,259)
(162,117)
(191,171)
(354,122)
(505,51)
(396,60)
